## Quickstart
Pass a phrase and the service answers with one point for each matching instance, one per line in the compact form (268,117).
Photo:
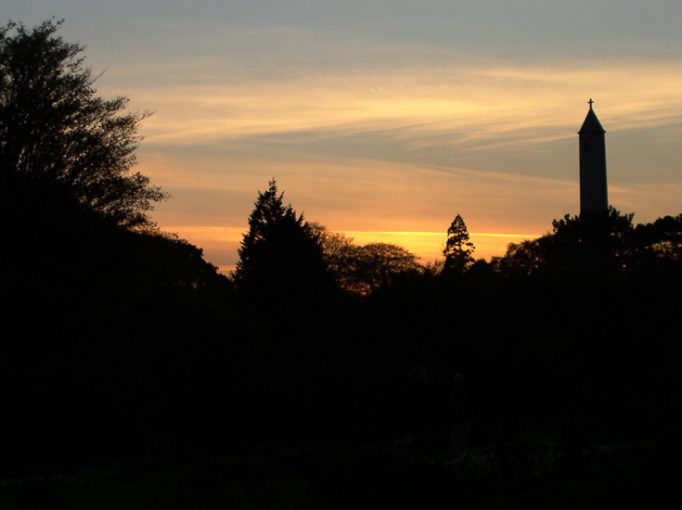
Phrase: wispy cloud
(480,106)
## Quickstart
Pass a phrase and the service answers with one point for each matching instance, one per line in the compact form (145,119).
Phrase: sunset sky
(385,118)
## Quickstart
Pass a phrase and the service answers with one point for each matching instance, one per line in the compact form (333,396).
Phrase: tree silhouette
(659,240)
(378,264)
(572,246)
(340,256)
(458,248)
(280,255)
(363,269)
(54,128)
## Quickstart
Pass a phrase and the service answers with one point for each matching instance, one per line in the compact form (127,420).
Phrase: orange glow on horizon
(428,246)
(220,243)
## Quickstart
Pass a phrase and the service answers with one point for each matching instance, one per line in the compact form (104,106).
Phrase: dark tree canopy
(364,269)
(458,248)
(53,126)
(624,249)
(339,254)
(280,255)
(378,264)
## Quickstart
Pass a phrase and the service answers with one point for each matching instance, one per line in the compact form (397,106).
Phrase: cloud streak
(479,107)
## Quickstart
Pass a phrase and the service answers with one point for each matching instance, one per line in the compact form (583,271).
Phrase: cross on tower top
(590,102)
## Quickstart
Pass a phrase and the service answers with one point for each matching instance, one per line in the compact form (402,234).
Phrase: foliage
(77,233)
(363,269)
(280,255)
(378,264)
(622,248)
(458,248)
(522,259)
(340,255)
(54,127)
(661,239)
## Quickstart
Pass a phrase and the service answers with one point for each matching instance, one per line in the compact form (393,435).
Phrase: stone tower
(594,198)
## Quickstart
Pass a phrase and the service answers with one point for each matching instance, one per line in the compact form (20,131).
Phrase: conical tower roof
(591,124)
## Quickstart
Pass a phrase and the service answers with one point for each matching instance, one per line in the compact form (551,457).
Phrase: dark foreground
(399,474)
(133,375)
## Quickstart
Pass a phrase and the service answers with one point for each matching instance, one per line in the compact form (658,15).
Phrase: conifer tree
(280,255)
(458,248)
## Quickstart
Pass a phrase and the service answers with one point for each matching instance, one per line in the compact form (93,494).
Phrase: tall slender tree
(458,248)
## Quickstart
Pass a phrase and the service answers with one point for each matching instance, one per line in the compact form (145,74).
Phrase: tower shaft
(593,185)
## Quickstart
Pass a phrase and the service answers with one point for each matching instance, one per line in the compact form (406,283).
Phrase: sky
(384,119)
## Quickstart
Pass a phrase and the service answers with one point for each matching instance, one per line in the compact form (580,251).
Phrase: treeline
(561,321)
(321,336)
